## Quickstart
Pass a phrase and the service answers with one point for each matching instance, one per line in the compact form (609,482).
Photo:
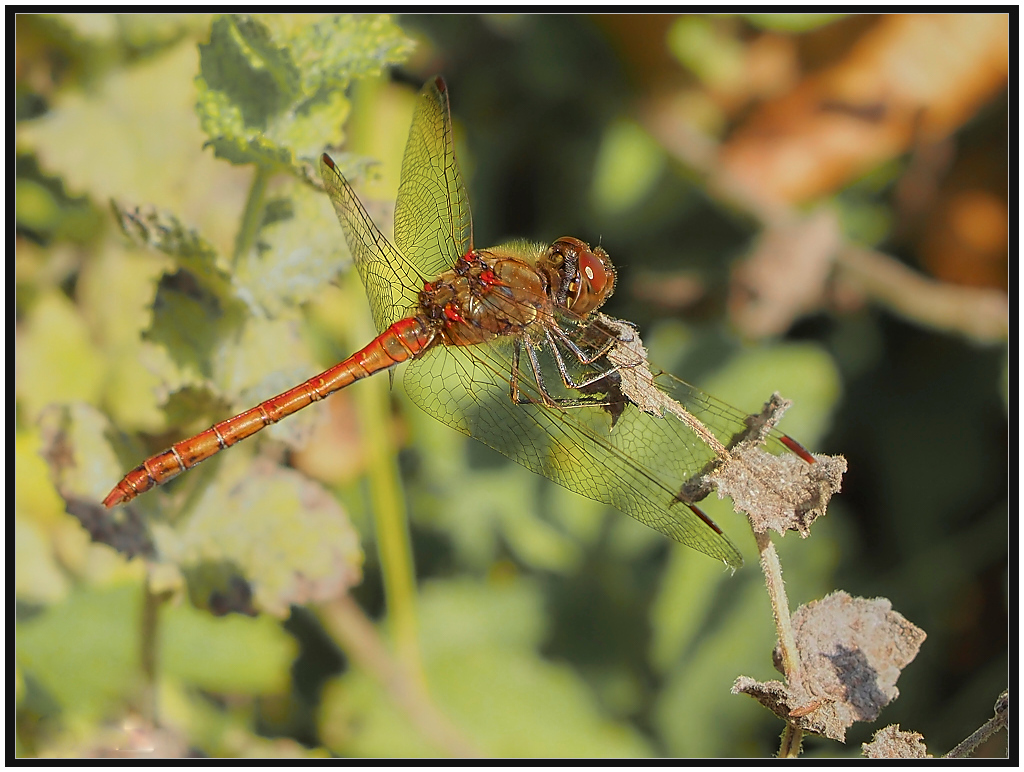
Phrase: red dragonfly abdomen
(405,339)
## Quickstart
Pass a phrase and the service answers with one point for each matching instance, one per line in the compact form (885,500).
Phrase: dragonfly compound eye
(594,282)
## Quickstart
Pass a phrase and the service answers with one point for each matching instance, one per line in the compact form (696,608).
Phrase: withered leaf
(123,528)
(852,651)
(894,743)
(75,458)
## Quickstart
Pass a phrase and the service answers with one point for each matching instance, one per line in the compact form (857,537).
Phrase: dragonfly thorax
(486,294)
(506,290)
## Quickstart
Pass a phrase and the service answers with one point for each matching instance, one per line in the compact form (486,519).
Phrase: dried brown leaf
(852,651)
(786,275)
(783,493)
(73,454)
(123,528)
(894,743)
(897,85)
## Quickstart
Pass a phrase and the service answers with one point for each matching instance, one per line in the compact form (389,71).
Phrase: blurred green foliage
(548,624)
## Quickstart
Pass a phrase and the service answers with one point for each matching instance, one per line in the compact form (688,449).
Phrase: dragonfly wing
(726,422)
(433,224)
(637,466)
(391,282)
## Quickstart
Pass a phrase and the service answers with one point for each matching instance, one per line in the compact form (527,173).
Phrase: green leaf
(314,125)
(627,166)
(163,231)
(301,248)
(271,88)
(246,83)
(135,137)
(335,50)
(37,576)
(97,28)
(801,372)
(484,510)
(34,496)
(466,614)
(136,372)
(57,360)
(232,138)
(219,733)
(696,715)
(213,322)
(683,605)
(149,31)
(263,358)
(85,650)
(193,323)
(35,207)
(711,53)
(486,677)
(241,67)
(792,22)
(272,528)
(232,654)
(517,705)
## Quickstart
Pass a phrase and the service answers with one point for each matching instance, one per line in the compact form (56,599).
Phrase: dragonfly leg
(513,381)
(566,378)
(518,397)
(531,354)
(584,358)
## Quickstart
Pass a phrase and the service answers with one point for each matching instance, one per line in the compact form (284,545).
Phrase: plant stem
(252,217)
(998,722)
(149,654)
(347,623)
(772,568)
(388,504)
(792,736)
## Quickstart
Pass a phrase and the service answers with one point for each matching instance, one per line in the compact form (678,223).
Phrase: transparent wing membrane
(433,225)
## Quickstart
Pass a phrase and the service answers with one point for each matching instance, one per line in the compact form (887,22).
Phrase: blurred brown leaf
(965,240)
(785,276)
(73,460)
(899,84)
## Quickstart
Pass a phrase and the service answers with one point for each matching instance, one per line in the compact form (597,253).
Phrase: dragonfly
(504,344)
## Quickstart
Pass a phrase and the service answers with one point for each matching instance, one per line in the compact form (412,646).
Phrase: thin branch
(149,642)
(999,721)
(346,622)
(772,569)
(792,735)
(980,314)
(252,217)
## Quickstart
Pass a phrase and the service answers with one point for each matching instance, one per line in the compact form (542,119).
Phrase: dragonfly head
(588,276)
